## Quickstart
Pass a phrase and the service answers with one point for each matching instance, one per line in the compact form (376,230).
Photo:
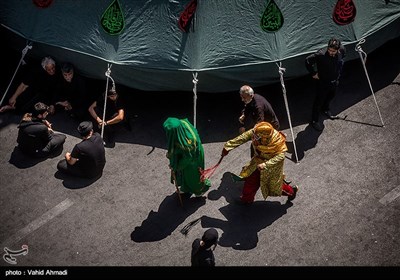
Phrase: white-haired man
(38,85)
(256,109)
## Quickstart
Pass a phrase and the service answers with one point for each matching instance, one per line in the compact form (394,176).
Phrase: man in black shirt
(35,135)
(38,85)
(202,249)
(325,66)
(114,116)
(72,96)
(87,158)
(256,109)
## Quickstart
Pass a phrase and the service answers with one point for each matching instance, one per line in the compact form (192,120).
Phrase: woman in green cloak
(186,156)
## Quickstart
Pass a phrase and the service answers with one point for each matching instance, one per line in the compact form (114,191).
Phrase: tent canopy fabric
(225,43)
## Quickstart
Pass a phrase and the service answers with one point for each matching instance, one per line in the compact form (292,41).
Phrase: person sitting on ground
(203,249)
(38,85)
(87,158)
(265,169)
(36,136)
(71,96)
(115,115)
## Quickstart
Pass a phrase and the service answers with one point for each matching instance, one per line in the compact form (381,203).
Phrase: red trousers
(252,184)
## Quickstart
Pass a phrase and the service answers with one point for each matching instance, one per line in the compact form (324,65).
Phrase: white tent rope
(195,80)
(24,51)
(282,70)
(108,75)
(363,57)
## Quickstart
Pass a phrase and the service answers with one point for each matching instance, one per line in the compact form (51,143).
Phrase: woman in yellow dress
(265,169)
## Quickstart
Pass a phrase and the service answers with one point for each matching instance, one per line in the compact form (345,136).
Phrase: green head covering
(181,135)
(185,154)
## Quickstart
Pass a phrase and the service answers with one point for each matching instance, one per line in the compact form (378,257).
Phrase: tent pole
(281,71)
(195,80)
(108,75)
(24,51)
(363,57)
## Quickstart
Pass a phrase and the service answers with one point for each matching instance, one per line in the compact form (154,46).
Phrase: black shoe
(109,144)
(317,126)
(293,196)
(287,182)
(329,115)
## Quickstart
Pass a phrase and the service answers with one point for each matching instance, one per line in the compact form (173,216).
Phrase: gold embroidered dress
(270,147)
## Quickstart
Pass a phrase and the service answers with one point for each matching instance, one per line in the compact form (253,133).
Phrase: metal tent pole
(281,71)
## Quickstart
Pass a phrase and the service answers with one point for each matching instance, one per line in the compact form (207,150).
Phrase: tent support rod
(281,71)
(24,51)
(363,57)
(195,80)
(108,75)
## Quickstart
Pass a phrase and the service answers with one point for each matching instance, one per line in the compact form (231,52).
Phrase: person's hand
(68,107)
(51,109)
(316,77)
(12,101)
(224,152)
(261,166)
(241,119)
(47,123)
(242,129)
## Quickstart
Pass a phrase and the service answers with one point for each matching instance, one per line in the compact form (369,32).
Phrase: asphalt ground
(346,213)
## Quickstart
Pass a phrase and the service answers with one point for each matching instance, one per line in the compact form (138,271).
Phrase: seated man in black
(35,135)
(87,158)
(38,85)
(114,116)
(71,96)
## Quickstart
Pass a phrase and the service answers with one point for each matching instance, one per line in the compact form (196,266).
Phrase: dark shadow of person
(74,183)
(23,161)
(169,216)
(243,222)
(305,140)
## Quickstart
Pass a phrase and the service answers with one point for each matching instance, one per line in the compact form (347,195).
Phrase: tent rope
(108,75)
(195,81)
(363,57)
(281,71)
(24,52)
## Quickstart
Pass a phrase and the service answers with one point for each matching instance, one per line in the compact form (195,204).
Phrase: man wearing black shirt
(38,85)
(114,116)
(325,66)
(87,158)
(202,249)
(35,135)
(72,96)
(256,109)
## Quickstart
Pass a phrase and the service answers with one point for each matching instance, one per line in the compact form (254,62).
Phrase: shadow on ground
(242,222)
(75,183)
(169,216)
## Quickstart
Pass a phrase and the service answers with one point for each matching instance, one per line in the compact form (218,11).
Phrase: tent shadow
(169,216)
(75,183)
(243,222)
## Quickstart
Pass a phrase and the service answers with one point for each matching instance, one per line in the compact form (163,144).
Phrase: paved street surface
(346,212)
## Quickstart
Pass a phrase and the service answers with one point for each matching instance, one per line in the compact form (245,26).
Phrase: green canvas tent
(158,45)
